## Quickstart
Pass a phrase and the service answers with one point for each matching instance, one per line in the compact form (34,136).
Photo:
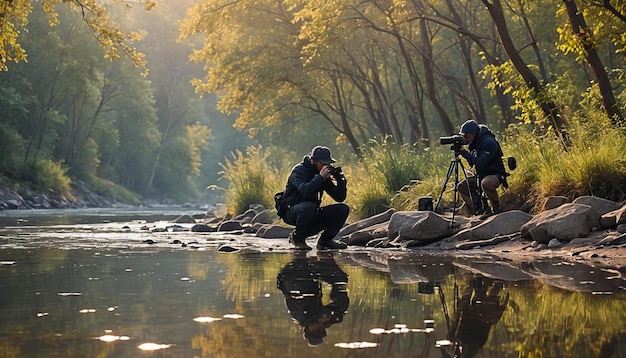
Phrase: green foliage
(11,147)
(252,179)
(396,163)
(109,189)
(393,175)
(52,176)
(367,193)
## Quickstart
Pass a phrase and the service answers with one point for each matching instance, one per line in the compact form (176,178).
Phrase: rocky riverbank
(587,229)
(17,196)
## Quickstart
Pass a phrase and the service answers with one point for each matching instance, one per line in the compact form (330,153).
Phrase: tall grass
(252,179)
(389,175)
(395,175)
(397,163)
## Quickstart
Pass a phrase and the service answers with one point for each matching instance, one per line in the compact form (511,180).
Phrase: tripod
(453,168)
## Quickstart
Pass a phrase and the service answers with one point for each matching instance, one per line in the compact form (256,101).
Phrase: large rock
(505,223)
(264,217)
(230,225)
(185,219)
(554,202)
(273,232)
(367,222)
(602,205)
(364,236)
(414,228)
(565,223)
(614,218)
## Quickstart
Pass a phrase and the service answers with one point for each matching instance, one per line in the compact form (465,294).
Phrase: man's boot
(330,245)
(299,243)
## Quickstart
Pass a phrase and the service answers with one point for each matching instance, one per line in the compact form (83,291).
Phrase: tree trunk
(548,107)
(579,27)
(426,52)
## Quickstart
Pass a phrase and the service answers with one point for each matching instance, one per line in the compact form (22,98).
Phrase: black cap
(470,126)
(314,334)
(322,154)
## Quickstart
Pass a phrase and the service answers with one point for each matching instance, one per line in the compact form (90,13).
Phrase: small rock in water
(554,243)
(226,248)
(149,242)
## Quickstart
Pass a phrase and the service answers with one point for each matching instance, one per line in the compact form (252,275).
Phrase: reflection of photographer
(301,282)
(476,312)
(301,200)
(485,155)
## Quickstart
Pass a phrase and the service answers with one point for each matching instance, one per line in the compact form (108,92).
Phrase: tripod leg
(470,189)
(451,169)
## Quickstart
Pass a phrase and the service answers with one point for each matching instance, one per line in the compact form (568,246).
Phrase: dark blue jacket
(485,154)
(306,184)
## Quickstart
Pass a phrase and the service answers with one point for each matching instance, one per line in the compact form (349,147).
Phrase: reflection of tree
(476,311)
(553,323)
(301,283)
(258,270)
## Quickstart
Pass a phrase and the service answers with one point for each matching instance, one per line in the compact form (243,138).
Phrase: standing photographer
(485,155)
(301,200)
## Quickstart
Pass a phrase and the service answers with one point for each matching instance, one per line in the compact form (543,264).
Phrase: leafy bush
(52,176)
(252,179)
(107,188)
(398,163)
(367,193)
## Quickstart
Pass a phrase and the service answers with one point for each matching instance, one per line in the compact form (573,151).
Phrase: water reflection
(478,308)
(301,283)
(110,302)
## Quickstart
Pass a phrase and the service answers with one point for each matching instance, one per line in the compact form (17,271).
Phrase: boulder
(554,202)
(185,219)
(203,228)
(415,228)
(246,216)
(230,225)
(603,206)
(565,223)
(362,237)
(614,218)
(273,232)
(613,240)
(367,222)
(505,223)
(263,217)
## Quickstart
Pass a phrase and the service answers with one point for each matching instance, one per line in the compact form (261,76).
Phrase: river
(102,283)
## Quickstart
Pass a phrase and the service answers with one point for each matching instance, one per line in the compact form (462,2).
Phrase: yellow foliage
(14,21)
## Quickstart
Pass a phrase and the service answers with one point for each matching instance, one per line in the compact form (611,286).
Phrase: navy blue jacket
(306,184)
(485,154)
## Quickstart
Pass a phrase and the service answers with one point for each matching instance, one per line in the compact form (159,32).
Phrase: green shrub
(593,165)
(52,176)
(252,179)
(367,194)
(107,188)
(398,163)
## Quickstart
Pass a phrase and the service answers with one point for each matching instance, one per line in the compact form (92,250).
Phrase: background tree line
(295,73)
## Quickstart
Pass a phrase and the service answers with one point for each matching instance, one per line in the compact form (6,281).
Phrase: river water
(100,283)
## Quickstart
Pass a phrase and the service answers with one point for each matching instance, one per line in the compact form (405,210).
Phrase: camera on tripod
(456,140)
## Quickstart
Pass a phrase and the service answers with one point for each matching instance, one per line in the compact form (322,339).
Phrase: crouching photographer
(300,203)
(485,156)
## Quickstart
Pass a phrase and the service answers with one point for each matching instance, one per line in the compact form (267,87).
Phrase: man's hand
(325,172)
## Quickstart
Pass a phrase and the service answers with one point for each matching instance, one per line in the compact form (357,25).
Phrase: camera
(456,140)
(335,171)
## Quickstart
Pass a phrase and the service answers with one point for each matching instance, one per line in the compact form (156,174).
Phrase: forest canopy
(288,74)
